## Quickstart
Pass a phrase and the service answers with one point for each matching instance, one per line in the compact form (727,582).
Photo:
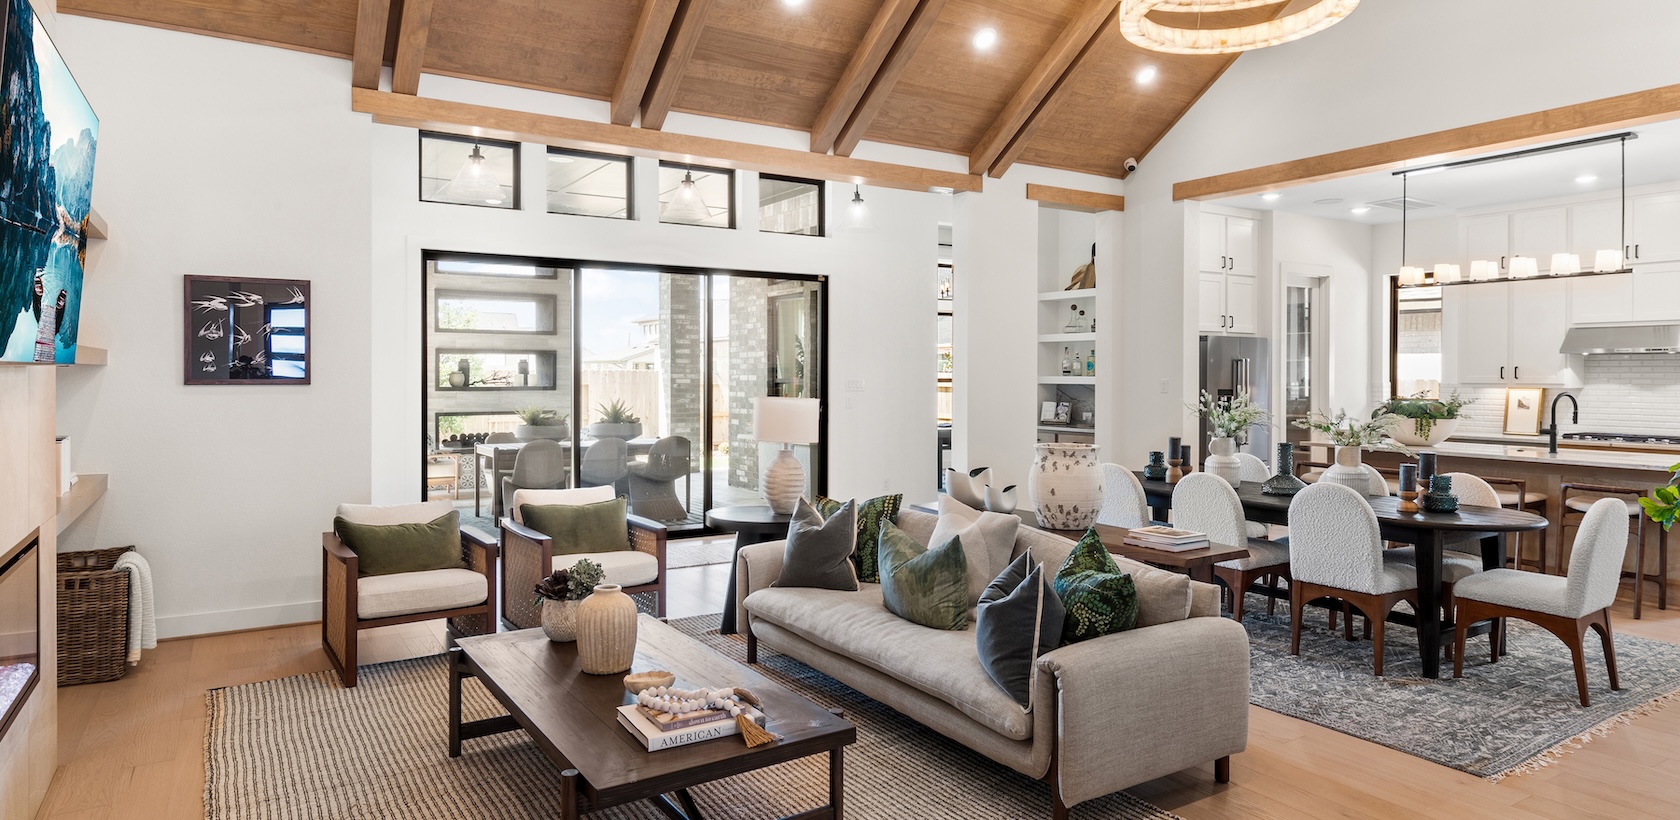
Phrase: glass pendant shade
(1606,261)
(475,183)
(1446,272)
(858,217)
(686,204)
(1523,267)
(1482,270)
(1565,263)
(1410,275)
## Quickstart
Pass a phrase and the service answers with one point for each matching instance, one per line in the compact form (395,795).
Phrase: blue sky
(61,100)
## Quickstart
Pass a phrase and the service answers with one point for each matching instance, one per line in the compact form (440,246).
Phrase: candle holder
(1186,463)
(1408,501)
(1175,470)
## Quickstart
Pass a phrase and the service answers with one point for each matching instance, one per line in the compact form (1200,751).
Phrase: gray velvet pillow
(1020,618)
(819,552)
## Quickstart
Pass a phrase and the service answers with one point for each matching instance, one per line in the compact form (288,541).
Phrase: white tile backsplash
(1621,393)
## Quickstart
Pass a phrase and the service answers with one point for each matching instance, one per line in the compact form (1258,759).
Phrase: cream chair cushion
(573,497)
(1518,590)
(384,515)
(405,593)
(1582,503)
(627,568)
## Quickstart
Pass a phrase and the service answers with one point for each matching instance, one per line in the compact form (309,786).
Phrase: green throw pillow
(387,549)
(928,587)
(1099,598)
(870,515)
(580,528)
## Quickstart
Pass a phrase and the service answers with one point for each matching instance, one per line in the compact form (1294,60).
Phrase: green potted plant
(1228,420)
(1423,421)
(539,423)
(1351,438)
(559,594)
(616,422)
(1663,506)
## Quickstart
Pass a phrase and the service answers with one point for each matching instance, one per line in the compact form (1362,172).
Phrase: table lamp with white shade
(787,422)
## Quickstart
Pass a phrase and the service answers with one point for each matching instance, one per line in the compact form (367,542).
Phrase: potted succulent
(616,422)
(559,595)
(539,423)
(1663,506)
(1351,438)
(1228,419)
(1423,421)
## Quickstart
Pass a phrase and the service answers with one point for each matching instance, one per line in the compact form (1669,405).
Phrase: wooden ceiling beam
(1044,79)
(673,61)
(652,27)
(881,86)
(411,46)
(402,110)
(1110,28)
(372,18)
(866,63)
(1077,200)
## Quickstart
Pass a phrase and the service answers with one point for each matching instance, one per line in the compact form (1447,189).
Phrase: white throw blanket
(142,620)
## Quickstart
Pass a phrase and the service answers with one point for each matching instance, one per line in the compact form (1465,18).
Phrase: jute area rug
(1510,717)
(303,748)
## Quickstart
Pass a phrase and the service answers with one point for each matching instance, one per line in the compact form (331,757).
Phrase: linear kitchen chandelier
(1172,39)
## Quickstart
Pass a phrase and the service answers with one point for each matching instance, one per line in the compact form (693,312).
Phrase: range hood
(1623,339)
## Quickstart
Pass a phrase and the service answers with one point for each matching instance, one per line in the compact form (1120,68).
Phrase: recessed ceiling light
(793,4)
(1146,75)
(1273,197)
(1360,210)
(985,38)
(1331,201)
(1586,178)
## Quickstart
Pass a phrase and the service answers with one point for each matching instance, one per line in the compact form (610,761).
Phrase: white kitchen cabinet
(1487,237)
(1656,293)
(1482,316)
(1212,243)
(1210,301)
(1539,321)
(1227,303)
(1598,300)
(1508,333)
(1227,244)
(1241,301)
(1540,233)
(1594,227)
(1654,228)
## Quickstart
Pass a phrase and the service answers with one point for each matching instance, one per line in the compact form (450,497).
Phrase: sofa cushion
(941,663)
(871,515)
(580,528)
(1100,599)
(925,586)
(988,540)
(1020,617)
(386,596)
(819,551)
(627,568)
(1162,596)
(384,549)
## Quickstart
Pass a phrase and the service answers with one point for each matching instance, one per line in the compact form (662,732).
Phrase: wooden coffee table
(572,717)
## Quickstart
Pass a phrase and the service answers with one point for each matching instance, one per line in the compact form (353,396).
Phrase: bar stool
(1578,498)
(1519,497)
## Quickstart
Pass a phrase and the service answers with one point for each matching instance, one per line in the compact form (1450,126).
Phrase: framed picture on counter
(1522,410)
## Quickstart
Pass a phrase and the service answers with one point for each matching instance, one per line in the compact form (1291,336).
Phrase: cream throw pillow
(988,541)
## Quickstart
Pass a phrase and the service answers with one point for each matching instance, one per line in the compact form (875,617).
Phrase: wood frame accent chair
(1204,502)
(1336,551)
(349,604)
(1577,499)
(1565,606)
(528,556)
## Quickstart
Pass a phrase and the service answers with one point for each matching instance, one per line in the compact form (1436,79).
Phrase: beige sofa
(1106,714)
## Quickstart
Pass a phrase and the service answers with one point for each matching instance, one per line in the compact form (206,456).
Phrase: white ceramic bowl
(1405,432)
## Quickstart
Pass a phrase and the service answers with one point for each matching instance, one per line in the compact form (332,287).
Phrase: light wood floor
(134,748)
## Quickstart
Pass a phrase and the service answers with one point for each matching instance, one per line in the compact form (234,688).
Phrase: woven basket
(92,617)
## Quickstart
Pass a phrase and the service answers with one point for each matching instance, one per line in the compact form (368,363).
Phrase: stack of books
(657,730)
(1170,539)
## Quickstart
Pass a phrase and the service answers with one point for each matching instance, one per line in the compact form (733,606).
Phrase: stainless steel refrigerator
(1230,363)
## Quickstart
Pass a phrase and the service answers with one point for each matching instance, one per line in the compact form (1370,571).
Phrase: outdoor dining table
(1430,532)
(485,456)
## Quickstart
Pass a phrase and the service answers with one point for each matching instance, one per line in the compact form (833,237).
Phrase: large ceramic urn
(606,631)
(1065,485)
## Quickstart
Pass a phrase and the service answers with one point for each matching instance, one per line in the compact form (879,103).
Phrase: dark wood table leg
(1160,513)
(742,539)
(837,781)
(1429,601)
(457,672)
(688,805)
(569,794)
(1201,571)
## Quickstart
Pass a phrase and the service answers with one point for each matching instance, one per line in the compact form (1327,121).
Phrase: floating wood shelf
(96,227)
(89,356)
(89,487)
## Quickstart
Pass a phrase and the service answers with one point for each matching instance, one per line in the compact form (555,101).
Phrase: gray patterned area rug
(1510,717)
(303,748)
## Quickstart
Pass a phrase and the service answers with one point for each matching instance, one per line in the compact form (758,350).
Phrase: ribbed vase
(1222,459)
(559,620)
(1348,470)
(606,631)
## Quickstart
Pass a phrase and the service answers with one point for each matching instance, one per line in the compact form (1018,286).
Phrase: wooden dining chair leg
(1496,640)
(1296,601)
(1601,623)
(1638,567)
(1458,648)
(1271,599)
(1376,625)
(1662,568)
(1579,656)
(1347,621)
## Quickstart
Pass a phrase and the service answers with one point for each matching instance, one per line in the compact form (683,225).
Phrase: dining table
(1430,532)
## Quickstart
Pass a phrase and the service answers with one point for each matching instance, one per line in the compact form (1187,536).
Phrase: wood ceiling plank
(411,46)
(1088,201)
(388,108)
(922,21)
(576,47)
(1621,111)
(316,26)
(1075,40)
(372,17)
(1053,101)
(865,65)
(652,25)
(673,62)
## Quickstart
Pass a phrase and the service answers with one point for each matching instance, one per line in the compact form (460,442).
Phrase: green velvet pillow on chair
(387,549)
(580,528)
(871,515)
(1099,598)
(928,587)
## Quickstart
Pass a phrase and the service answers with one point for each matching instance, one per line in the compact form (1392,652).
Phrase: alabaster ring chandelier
(1157,36)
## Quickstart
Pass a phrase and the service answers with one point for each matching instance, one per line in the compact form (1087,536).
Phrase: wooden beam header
(500,123)
(1580,119)
(1087,201)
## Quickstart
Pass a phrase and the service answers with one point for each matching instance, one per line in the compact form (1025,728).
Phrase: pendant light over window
(686,204)
(858,218)
(475,182)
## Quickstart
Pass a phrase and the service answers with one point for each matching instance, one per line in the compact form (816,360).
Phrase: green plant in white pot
(1351,438)
(1228,419)
(617,421)
(1423,421)
(540,423)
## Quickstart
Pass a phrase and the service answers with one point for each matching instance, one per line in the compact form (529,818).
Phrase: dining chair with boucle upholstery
(1123,504)
(1206,503)
(1336,551)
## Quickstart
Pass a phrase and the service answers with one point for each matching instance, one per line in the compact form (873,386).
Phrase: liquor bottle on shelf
(1091,365)
(1078,365)
(1067,364)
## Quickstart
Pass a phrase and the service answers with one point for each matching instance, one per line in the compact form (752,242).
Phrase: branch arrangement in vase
(1229,419)
(1663,506)
(1344,431)
(1424,411)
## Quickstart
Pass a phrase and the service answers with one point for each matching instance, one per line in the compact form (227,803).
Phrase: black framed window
(790,205)
(468,171)
(471,311)
(696,195)
(585,184)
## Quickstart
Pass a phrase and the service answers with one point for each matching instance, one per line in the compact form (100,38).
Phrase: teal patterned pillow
(870,515)
(927,587)
(1099,598)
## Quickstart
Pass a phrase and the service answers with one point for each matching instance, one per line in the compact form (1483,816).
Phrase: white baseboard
(234,620)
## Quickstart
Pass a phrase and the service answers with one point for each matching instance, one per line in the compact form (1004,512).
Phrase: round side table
(751,525)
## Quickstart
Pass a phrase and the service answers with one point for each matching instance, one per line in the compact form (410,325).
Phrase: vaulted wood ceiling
(1057,89)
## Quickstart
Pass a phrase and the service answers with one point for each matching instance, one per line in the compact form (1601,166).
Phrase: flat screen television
(46,192)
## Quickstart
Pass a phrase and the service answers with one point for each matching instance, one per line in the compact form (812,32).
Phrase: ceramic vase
(1348,470)
(1222,460)
(1065,485)
(1284,482)
(559,620)
(533,432)
(1000,501)
(969,487)
(606,631)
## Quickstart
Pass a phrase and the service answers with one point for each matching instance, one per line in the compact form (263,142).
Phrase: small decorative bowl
(635,682)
